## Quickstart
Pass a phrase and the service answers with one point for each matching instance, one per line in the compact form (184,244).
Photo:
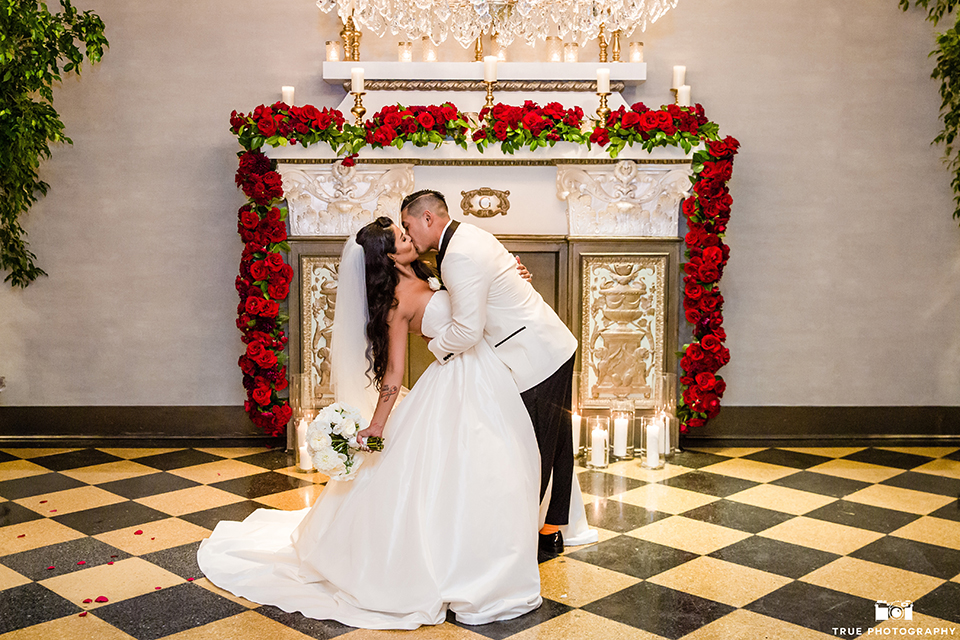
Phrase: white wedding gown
(445,517)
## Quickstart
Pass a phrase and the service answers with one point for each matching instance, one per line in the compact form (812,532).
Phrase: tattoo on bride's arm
(388,392)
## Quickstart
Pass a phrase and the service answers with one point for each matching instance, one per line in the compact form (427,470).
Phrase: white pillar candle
(306,464)
(490,69)
(679,73)
(620,437)
(575,419)
(301,433)
(598,447)
(356,79)
(653,445)
(287,95)
(683,96)
(603,83)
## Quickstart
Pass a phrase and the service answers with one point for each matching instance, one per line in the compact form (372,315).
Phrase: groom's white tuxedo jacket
(492,302)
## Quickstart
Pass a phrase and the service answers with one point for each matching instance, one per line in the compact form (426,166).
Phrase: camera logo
(894,610)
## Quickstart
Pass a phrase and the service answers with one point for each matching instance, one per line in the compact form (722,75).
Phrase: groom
(492,302)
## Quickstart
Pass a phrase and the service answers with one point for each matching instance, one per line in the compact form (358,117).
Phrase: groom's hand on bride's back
(526,275)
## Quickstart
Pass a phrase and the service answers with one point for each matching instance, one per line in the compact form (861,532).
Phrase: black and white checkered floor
(723,543)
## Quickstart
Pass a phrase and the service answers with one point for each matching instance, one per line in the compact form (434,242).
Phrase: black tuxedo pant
(548,404)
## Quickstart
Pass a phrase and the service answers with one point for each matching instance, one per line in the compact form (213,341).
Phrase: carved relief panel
(318,300)
(622,327)
(332,199)
(623,199)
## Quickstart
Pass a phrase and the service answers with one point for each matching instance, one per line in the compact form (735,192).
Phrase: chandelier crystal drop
(526,20)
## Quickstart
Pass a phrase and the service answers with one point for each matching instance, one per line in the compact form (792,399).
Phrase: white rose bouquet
(332,441)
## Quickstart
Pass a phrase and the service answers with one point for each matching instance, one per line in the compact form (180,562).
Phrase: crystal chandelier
(527,20)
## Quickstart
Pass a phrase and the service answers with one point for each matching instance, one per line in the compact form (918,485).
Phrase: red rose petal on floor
(113,556)
(82,562)
(88,601)
(83,613)
(111,562)
(101,599)
(156,588)
(43,502)
(50,567)
(22,535)
(189,579)
(138,532)
(53,510)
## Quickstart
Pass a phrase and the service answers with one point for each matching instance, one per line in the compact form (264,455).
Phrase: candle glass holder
(333,51)
(571,52)
(554,49)
(304,409)
(636,52)
(666,407)
(622,442)
(405,51)
(598,437)
(651,430)
(429,50)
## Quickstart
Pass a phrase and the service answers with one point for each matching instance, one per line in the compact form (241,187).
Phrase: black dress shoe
(551,544)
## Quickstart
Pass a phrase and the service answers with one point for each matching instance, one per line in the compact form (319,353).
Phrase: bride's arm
(399,327)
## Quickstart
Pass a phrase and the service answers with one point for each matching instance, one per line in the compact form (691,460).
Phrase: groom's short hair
(425,199)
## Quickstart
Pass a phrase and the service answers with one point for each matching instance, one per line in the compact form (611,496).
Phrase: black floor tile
(941,603)
(209,518)
(320,629)
(632,556)
(954,456)
(499,630)
(151,485)
(75,459)
(181,560)
(12,513)
(949,511)
(659,610)
(773,556)
(785,458)
(885,458)
(63,557)
(37,485)
(614,515)
(863,516)
(821,483)
(743,517)
(168,611)
(261,484)
(918,557)
(7,457)
(273,459)
(31,604)
(696,459)
(712,484)
(816,608)
(597,483)
(928,482)
(110,517)
(177,459)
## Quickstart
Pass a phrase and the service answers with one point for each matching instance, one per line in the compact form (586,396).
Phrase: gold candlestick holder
(603,110)
(615,47)
(478,50)
(602,41)
(676,95)
(489,103)
(358,109)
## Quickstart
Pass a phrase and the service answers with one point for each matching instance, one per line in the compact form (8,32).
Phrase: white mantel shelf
(631,73)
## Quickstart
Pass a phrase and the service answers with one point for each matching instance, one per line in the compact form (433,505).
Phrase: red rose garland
(264,280)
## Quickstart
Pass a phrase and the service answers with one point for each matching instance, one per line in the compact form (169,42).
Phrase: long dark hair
(378,241)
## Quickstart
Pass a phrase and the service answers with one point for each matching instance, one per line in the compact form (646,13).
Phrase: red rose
(426,121)
(274,261)
(248,218)
(254,305)
(639,107)
(706,381)
(282,414)
(600,136)
(255,350)
(278,290)
(630,119)
(695,352)
(247,365)
(696,422)
(649,120)
(259,270)
(711,344)
(284,275)
(692,315)
(448,111)
(267,126)
(267,359)
(270,309)
(479,135)
(275,232)
(713,255)
(261,395)
(709,274)
(384,135)
(693,291)
(500,130)
(392,119)
(665,122)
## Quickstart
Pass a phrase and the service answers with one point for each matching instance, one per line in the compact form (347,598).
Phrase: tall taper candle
(490,69)
(356,79)
(679,73)
(603,80)
(653,445)
(287,95)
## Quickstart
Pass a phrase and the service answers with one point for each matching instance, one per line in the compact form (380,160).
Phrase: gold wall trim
(478,85)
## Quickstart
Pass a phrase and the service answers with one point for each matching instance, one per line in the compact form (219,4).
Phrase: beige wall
(844,282)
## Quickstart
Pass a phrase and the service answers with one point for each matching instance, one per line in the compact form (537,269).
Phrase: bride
(445,517)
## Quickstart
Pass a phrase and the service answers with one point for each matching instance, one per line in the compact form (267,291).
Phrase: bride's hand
(373,431)
(526,275)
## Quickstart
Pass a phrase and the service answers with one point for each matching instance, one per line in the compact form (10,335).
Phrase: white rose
(348,429)
(434,283)
(326,460)
(318,440)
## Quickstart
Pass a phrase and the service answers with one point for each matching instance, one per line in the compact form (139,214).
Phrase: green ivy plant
(36,46)
(947,71)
